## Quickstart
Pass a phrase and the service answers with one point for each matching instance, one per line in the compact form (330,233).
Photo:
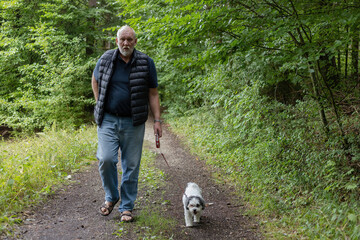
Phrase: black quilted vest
(138,78)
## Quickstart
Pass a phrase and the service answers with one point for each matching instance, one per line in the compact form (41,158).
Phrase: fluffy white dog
(194,204)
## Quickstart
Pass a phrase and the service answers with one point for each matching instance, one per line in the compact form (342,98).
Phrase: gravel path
(62,215)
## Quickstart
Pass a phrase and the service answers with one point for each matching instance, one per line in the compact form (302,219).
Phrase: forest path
(72,212)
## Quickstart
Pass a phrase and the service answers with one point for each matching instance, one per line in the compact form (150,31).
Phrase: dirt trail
(72,212)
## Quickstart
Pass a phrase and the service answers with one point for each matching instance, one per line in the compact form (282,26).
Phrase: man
(124,83)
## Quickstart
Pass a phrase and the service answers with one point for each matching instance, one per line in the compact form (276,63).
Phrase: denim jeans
(119,133)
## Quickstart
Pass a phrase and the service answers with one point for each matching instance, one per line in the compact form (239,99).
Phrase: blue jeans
(119,133)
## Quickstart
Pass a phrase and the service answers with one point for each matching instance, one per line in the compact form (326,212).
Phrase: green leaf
(351,186)
(11,182)
(352,217)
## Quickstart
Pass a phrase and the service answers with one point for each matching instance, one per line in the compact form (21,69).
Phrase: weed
(32,167)
(293,177)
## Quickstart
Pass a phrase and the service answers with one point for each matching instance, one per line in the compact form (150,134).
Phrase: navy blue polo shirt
(117,100)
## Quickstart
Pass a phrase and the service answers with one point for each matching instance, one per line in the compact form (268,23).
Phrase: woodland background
(266,90)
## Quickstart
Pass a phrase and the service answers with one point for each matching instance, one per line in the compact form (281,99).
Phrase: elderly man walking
(124,83)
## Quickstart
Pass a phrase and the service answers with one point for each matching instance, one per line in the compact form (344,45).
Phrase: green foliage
(48,51)
(31,167)
(59,98)
(284,165)
(276,83)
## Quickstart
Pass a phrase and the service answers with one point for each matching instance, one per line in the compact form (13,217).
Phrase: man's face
(126,42)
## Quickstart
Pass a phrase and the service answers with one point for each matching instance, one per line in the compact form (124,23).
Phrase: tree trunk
(90,40)
(315,84)
(329,70)
(355,54)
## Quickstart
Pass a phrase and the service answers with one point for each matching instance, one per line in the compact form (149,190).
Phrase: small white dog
(194,204)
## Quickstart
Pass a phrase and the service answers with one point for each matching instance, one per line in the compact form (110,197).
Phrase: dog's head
(195,204)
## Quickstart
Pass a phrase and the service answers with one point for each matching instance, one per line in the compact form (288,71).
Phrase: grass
(286,212)
(150,221)
(32,167)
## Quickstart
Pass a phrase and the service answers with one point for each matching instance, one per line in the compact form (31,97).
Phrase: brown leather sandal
(127,214)
(106,208)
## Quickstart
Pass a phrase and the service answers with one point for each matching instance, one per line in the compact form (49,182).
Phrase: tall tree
(46,51)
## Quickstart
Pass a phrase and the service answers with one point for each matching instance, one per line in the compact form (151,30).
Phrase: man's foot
(107,208)
(126,216)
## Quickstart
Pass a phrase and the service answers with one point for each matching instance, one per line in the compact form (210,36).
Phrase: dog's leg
(197,218)
(188,218)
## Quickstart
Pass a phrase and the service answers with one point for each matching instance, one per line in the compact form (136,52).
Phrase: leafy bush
(48,51)
(283,164)
(60,98)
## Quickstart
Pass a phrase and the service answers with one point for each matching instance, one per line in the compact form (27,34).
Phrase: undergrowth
(294,178)
(32,167)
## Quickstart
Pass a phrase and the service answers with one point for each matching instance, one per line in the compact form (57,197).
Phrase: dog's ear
(187,203)
(202,203)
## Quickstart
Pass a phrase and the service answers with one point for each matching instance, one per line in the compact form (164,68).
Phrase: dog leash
(157,142)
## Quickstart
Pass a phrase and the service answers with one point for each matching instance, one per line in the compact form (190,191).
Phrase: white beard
(125,52)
